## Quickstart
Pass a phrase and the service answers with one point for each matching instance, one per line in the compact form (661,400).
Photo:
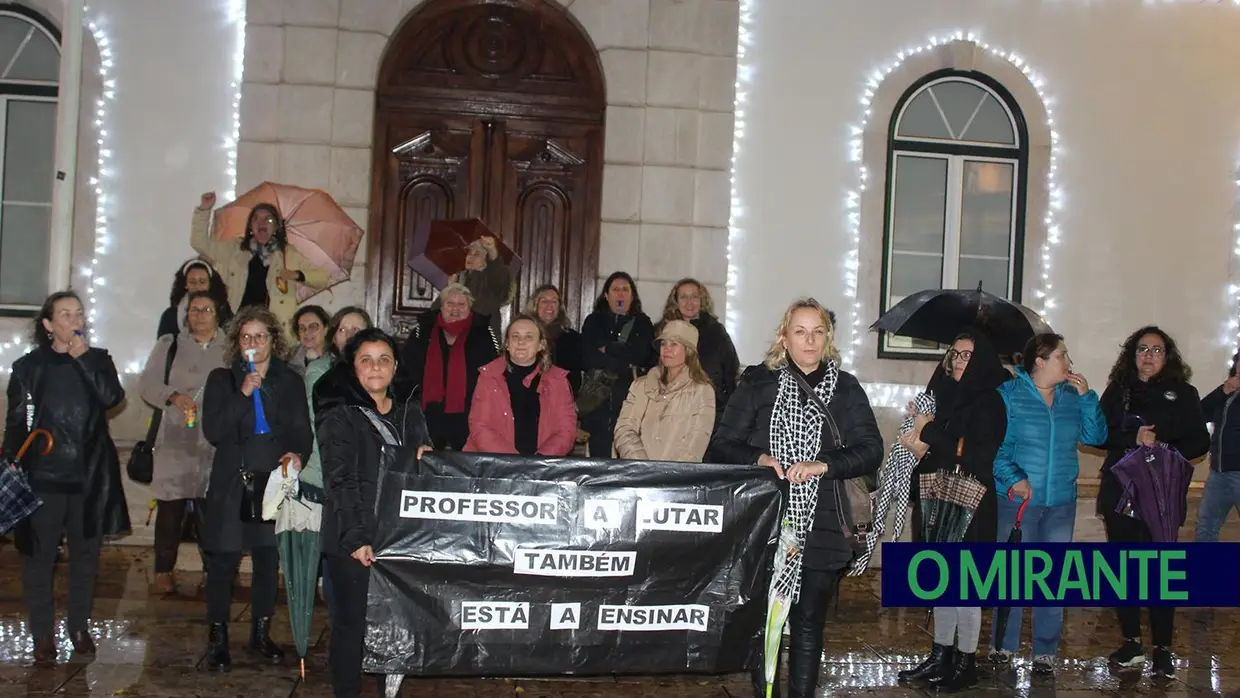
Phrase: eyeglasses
(962,355)
(260,338)
(203,311)
(312,327)
(1155,350)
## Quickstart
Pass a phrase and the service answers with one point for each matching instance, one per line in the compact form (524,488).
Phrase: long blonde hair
(671,309)
(777,355)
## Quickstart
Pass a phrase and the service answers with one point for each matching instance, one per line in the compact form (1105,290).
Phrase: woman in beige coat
(261,269)
(670,412)
(182,455)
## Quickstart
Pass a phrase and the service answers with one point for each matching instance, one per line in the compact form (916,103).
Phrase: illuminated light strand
(853,198)
(237,15)
(1231,329)
(744,75)
(104,178)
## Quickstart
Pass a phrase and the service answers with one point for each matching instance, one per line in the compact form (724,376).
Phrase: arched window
(29,90)
(955,203)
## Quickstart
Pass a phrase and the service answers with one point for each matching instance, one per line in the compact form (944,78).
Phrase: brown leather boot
(44,651)
(165,583)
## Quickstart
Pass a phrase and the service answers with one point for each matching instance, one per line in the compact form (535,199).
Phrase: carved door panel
(539,196)
(434,167)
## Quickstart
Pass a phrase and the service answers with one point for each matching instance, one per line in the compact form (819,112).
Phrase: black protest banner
(503,565)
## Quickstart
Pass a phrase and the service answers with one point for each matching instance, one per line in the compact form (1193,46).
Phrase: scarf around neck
(435,387)
(796,437)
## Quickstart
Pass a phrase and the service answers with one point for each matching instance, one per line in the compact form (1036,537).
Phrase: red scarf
(433,383)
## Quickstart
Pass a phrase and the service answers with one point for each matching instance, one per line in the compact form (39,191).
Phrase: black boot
(963,673)
(936,666)
(218,658)
(261,644)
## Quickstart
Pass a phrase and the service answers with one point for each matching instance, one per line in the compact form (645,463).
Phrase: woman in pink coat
(523,403)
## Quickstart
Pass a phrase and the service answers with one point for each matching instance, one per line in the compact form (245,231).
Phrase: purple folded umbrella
(1155,481)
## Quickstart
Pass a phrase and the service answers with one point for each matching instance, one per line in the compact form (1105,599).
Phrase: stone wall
(307,114)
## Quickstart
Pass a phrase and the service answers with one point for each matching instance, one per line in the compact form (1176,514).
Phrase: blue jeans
(1039,525)
(1221,496)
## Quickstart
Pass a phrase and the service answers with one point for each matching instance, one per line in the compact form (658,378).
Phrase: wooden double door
(491,109)
(530,181)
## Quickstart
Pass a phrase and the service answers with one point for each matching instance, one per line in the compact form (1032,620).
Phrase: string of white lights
(744,73)
(236,15)
(104,175)
(1231,329)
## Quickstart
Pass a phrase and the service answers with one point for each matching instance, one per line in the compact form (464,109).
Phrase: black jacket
(744,435)
(969,425)
(352,452)
(70,398)
(601,330)
(228,423)
(718,356)
(481,348)
(1213,407)
(1174,409)
(566,353)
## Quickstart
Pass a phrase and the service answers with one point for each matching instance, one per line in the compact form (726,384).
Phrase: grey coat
(182,455)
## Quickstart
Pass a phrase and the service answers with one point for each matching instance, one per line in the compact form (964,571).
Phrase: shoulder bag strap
(627,329)
(380,426)
(157,417)
(822,407)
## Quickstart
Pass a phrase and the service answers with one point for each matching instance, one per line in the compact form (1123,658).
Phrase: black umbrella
(939,315)
(1002,613)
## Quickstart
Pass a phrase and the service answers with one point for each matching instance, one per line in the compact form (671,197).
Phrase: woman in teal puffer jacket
(1051,411)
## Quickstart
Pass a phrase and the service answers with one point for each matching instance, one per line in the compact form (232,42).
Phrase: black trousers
(806,620)
(350,586)
(170,523)
(1125,529)
(60,515)
(222,573)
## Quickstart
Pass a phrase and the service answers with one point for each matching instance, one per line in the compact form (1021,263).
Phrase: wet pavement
(154,646)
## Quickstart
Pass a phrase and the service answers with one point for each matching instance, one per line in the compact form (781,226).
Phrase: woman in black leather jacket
(67,388)
(771,421)
(374,421)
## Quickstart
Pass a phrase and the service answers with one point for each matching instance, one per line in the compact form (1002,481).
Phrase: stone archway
(491,109)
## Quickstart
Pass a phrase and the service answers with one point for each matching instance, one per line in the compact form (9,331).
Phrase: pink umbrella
(314,222)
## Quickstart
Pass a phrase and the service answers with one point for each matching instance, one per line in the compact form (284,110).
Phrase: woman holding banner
(376,421)
(523,404)
(1148,402)
(965,431)
(1050,411)
(774,420)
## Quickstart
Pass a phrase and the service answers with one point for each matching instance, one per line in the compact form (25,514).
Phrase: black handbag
(253,486)
(141,465)
(597,384)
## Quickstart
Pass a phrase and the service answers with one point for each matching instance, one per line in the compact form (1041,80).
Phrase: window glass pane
(29,150)
(986,208)
(912,273)
(24,234)
(919,208)
(921,119)
(991,125)
(40,60)
(958,100)
(13,31)
(992,273)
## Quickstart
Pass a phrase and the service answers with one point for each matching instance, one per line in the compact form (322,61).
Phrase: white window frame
(5,98)
(953,206)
